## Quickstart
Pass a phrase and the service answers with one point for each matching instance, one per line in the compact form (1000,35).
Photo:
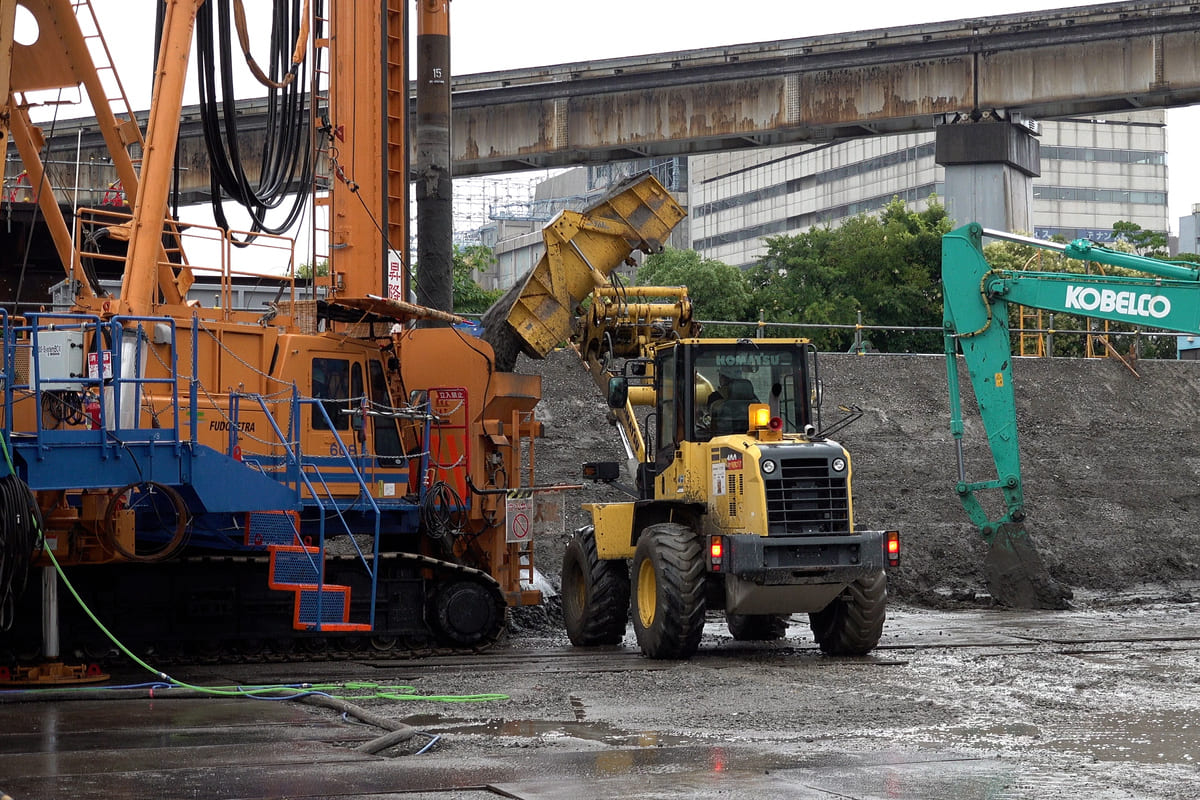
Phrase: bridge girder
(1053,64)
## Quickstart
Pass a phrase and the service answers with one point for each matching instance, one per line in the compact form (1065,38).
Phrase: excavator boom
(976,325)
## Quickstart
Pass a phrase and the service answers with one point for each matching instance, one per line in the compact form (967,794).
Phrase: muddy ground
(967,704)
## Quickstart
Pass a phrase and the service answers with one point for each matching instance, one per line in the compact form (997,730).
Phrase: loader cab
(720,380)
(702,389)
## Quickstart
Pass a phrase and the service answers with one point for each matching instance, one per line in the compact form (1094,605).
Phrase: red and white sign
(96,360)
(395,277)
(519,512)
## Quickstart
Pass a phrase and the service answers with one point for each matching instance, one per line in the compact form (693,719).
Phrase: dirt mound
(1110,463)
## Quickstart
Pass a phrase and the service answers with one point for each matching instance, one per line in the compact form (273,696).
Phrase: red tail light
(716,553)
(893,548)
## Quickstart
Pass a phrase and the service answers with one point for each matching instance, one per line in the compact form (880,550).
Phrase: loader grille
(805,498)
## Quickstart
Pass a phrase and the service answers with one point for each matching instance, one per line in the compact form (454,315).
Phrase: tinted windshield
(729,378)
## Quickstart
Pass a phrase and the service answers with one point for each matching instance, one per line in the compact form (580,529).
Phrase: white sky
(489,35)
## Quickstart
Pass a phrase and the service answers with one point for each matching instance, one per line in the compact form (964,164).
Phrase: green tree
(469,296)
(886,266)
(304,272)
(717,290)
(1146,243)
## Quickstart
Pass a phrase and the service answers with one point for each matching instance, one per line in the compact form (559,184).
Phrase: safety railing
(86,377)
(200,250)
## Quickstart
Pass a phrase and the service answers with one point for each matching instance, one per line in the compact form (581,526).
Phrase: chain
(283,392)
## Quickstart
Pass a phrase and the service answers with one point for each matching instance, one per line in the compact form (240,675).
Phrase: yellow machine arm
(625,323)
(582,249)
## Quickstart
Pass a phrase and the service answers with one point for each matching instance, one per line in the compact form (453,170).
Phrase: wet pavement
(899,745)
(228,748)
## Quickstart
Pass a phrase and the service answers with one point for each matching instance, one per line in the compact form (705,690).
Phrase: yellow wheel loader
(743,502)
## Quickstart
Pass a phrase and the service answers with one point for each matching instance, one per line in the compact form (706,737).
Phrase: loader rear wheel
(595,593)
(853,622)
(668,591)
(757,627)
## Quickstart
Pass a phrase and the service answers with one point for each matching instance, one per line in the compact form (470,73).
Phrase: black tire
(595,593)
(757,627)
(467,614)
(853,622)
(668,591)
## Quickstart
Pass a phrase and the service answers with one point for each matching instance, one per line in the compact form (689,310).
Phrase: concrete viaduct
(1059,63)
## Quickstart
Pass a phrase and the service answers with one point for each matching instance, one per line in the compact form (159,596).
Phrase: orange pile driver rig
(328,472)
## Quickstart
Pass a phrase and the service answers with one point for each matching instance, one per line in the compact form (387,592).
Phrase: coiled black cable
(20,521)
(287,159)
(63,407)
(442,514)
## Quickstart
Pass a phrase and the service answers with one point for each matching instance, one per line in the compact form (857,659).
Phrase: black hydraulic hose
(20,521)
(287,162)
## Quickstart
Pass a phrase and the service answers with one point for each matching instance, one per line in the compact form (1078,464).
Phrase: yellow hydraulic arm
(543,309)
(582,249)
(626,322)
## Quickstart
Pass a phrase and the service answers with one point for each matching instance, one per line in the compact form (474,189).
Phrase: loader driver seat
(731,415)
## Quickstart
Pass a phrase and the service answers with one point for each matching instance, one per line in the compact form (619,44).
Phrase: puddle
(1153,737)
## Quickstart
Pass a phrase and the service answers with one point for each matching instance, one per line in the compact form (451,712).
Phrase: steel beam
(1050,64)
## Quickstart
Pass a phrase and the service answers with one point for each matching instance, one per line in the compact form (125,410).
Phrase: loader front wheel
(668,591)
(595,593)
(853,622)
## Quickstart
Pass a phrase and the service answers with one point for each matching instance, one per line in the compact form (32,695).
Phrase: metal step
(293,567)
(264,528)
(334,602)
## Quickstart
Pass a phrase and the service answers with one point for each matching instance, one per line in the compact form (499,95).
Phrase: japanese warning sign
(530,514)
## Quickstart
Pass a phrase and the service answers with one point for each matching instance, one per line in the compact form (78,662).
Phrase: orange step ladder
(318,606)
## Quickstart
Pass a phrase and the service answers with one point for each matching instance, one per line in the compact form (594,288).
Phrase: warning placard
(518,511)
(97,362)
(530,514)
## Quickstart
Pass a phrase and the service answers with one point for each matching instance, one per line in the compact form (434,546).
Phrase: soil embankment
(1110,463)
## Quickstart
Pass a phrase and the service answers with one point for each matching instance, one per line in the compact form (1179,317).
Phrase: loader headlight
(768,466)
(839,465)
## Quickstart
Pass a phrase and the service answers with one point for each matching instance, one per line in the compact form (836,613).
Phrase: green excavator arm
(976,299)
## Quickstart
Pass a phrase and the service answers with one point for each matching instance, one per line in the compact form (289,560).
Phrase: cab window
(670,427)
(727,380)
(331,385)
(387,437)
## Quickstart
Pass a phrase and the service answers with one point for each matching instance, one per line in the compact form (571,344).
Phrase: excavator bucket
(1016,576)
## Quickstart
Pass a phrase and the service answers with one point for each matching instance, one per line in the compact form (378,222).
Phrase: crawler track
(220,610)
